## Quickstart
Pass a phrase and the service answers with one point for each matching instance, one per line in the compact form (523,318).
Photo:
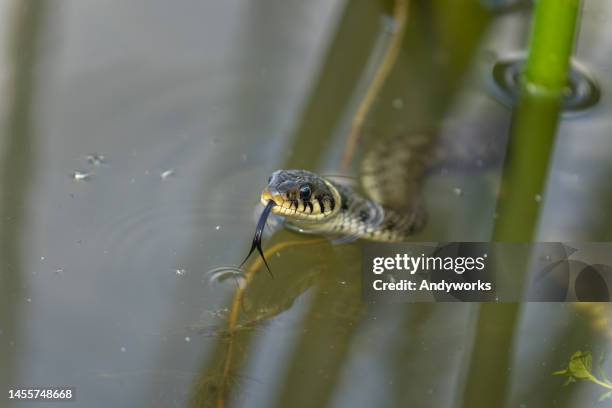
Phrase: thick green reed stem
(535,119)
(552,40)
(532,135)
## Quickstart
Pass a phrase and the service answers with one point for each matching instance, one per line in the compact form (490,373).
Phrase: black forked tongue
(261,224)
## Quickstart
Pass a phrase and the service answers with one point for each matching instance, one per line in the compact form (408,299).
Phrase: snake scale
(391,176)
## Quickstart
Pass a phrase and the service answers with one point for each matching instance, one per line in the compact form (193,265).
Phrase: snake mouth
(282,206)
(268,195)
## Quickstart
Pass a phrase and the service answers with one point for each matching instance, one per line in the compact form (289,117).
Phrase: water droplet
(187,339)
(218,227)
(398,104)
(457,191)
(167,174)
(96,159)
(180,272)
(29,300)
(42,258)
(538,198)
(123,349)
(81,176)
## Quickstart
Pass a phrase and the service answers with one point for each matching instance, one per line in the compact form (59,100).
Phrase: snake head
(301,194)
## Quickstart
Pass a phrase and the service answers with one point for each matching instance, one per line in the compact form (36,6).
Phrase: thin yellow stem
(235,309)
(400,15)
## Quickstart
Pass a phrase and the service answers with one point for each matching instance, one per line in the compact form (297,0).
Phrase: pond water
(136,138)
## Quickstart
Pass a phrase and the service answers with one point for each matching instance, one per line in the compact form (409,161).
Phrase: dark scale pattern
(392,174)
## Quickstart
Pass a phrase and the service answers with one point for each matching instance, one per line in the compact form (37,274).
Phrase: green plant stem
(532,135)
(535,119)
(552,40)
(601,383)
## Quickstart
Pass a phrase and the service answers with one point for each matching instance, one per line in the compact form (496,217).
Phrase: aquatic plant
(580,367)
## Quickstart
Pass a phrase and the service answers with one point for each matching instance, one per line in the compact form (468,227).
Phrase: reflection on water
(131,170)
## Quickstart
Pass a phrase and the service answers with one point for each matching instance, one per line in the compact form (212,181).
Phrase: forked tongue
(261,224)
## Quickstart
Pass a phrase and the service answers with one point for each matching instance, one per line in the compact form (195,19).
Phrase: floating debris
(458,191)
(96,159)
(166,174)
(29,300)
(187,339)
(81,176)
(180,272)
(218,227)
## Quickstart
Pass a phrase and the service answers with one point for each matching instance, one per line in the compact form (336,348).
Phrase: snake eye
(305,192)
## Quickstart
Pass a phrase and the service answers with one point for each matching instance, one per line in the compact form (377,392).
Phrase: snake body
(344,211)
(391,175)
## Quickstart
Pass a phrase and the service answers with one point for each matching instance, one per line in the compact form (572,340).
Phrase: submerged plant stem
(400,15)
(235,310)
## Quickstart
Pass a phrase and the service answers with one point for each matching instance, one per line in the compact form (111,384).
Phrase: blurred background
(135,140)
